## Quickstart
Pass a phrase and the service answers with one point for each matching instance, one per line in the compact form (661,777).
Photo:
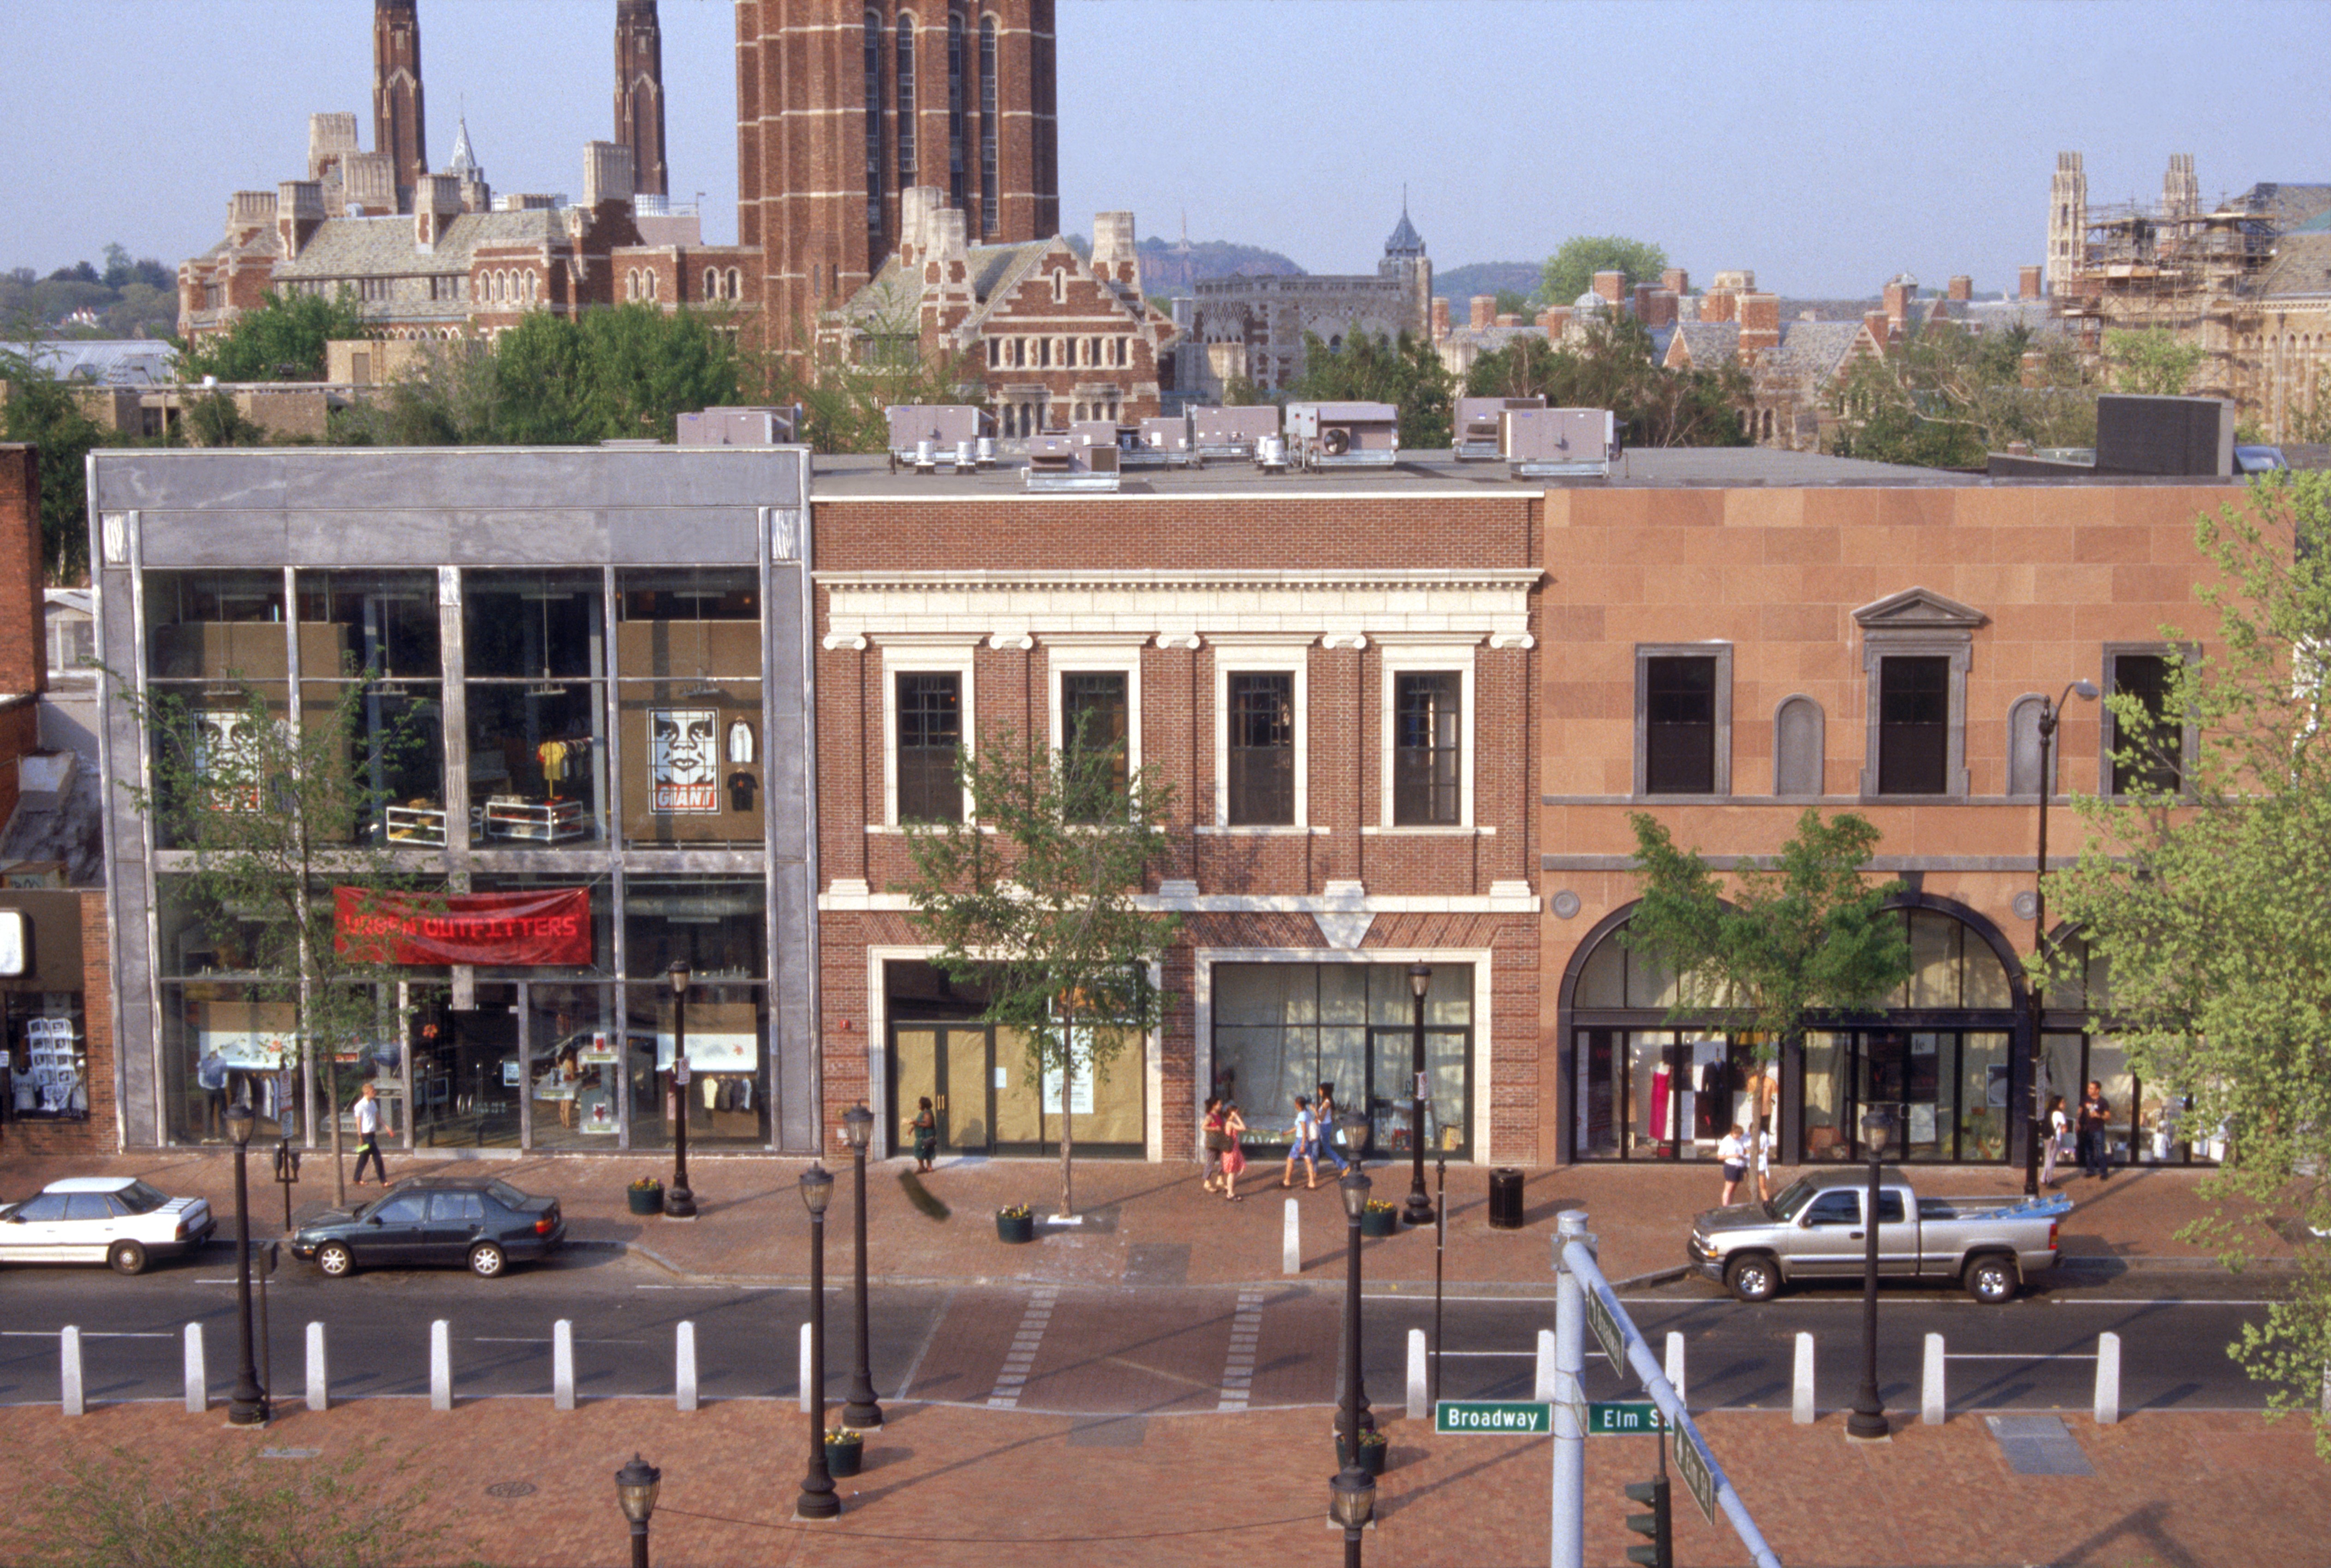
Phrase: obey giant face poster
(683,762)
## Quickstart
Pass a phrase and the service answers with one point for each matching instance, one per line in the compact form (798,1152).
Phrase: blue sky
(1826,146)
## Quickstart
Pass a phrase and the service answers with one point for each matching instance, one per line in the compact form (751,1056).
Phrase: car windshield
(139,1199)
(507,1196)
(1792,1198)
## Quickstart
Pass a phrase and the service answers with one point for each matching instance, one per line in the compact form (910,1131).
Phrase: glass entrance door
(468,1077)
(948,1063)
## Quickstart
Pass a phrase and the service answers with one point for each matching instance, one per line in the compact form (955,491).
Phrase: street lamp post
(1869,1417)
(1352,1415)
(679,1204)
(1419,1208)
(817,1499)
(248,1406)
(1351,1503)
(635,1494)
(864,1410)
(2050,714)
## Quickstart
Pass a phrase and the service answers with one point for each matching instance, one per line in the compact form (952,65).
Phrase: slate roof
(1405,240)
(2301,265)
(384,247)
(1812,349)
(1707,344)
(2284,204)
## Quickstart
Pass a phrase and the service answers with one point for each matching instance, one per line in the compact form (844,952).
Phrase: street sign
(1691,1464)
(1606,1329)
(1492,1417)
(1623,1417)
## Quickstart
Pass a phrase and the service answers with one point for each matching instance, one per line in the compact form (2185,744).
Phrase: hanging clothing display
(740,742)
(1657,1124)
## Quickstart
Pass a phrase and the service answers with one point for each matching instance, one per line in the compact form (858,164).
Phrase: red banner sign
(497,929)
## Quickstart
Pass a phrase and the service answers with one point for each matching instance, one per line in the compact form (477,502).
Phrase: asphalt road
(1152,1349)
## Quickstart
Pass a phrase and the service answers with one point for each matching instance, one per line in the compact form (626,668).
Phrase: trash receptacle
(1504,1199)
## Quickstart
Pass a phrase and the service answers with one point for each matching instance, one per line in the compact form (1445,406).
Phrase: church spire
(396,112)
(639,93)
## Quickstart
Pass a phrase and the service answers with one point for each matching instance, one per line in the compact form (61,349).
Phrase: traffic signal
(1653,1525)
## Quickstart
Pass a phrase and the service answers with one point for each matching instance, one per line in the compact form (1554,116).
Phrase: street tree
(1800,936)
(282,339)
(2206,890)
(1570,271)
(44,413)
(1609,366)
(1372,368)
(273,817)
(1031,897)
(1944,397)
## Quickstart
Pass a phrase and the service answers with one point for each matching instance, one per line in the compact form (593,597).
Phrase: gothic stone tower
(639,93)
(2068,223)
(841,107)
(396,124)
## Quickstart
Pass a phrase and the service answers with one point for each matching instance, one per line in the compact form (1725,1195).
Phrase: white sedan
(113,1220)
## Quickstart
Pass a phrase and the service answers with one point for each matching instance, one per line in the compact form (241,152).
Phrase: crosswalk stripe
(1012,1376)
(1238,1369)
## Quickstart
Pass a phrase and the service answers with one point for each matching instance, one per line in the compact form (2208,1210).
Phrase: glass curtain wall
(536,646)
(720,925)
(381,625)
(212,639)
(687,670)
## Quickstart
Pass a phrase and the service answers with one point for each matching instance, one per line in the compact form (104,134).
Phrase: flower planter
(644,1200)
(1379,1222)
(1371,1454)
(1015,1227)
(843,1458)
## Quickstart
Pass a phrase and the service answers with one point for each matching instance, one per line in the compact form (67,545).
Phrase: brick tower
(639,93)
(841,107)
(397,121)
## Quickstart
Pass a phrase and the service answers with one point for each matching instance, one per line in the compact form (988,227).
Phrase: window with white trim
(1097,702)
(1426,756)
(926,718)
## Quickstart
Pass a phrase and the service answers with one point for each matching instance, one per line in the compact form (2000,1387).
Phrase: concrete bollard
(2108,1379)
(683,1374)
(319,1382)
(441,1364)
(1930,1386)
(1290,1243)
(69,1384)
(1675,1362)
(1419,1406)
(562,1364)
(1801,1384)
(1547,1387)
(198,1378)
(805,1367)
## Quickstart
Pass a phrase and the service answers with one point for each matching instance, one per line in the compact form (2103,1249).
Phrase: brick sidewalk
(1153,1218)
(956,1486)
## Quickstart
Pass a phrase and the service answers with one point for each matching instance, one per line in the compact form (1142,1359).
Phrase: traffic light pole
(1569,1362)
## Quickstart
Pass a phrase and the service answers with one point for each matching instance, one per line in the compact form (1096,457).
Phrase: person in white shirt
(368,1135)
(1733,1150)
(1305,1132)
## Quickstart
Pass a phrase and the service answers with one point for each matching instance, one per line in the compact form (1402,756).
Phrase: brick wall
(24,657)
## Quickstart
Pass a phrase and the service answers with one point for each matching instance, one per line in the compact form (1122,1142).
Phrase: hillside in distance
(1458,284)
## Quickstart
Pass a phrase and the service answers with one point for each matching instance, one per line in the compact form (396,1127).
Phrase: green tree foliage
(2212,907)
(1806,935)
(1612,367)
(1946,397)
(1371,367)
(43,412)
(2153,361)
(1033,903)
(1513,302)
(130,298)
(1570,271)
(280,339)
(213,420)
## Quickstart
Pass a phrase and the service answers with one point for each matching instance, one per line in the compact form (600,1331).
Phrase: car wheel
(487,1261)
(1991,1280)
(334,1260)
(1753,1277)
(127,1258)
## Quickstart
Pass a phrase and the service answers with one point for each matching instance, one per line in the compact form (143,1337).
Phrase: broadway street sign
(1496,1417)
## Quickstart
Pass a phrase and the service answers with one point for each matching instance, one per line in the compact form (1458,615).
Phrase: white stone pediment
(1920,610)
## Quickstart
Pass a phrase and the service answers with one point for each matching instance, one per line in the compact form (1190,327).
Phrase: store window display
(688,667)
(374,637)
(218,659)
(535,650)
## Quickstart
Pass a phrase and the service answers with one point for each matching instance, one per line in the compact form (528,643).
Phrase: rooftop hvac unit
(1070,462)
(741,427)
(1560,443)
(1337,435)
(1479,436)
(929,436)
(1231,431)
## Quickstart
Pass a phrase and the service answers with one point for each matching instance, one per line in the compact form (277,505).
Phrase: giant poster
(683,762)
(548,926)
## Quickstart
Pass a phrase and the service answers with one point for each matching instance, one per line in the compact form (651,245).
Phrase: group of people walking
(1311,1143)
(2085,1131)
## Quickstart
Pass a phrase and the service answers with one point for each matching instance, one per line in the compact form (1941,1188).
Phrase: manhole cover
(288,1453)
(510,1489)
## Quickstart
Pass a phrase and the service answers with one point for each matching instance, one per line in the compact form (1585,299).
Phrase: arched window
(648,284)
(904,77)
(735,283)
(711,283)
(987,116)
(957,175)
(872,53)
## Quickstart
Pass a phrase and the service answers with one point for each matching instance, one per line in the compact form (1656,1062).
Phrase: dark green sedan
(474,1222)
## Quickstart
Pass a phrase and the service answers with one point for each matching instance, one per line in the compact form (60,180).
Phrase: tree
(2153,361)
(1609,366)
(2208,897)
(43,412)
(1946,397)
(1033,901)
(644,367)
(213,420)
(1803,936)
(280,339)
(1512,303)
(1570,271)
(273,817)
(1371,367)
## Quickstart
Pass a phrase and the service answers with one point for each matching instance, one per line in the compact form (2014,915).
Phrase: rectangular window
(1428,752)
(930,732)
(2148,757)
(1914,723)
(1679,726)
(1261,749)
(1095,715)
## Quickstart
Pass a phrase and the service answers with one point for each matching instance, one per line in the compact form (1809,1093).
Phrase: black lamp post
(679,1204)
(248,1405)
(862,1411)
(817,1499)
(2050,714)
(1356,1133)
(1419,1209)
(635,1493)
(1352,1415)
(1869,1417)
(1352,1502)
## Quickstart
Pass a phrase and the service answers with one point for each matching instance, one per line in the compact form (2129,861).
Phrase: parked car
(1812,1230)
(114,1219)
(478,1223)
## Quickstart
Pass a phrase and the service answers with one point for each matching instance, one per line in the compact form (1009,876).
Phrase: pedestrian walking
(1305,1132)
(2096,1115)
(368,1135)
(1233,1157)
(927,1133)
(2060,1135)
(1218,1144)
(1733,1150)
(1764,1163)
(1322,1111)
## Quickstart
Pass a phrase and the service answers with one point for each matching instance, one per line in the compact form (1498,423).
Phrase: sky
(1825,146)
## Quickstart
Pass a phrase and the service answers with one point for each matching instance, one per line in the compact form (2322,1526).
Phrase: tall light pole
(1869,1417)
(635,1494)
(2050,715)
(1419,1209)
(817,1499)
(679,1204)
(247,1407)
(1352,1415)
(862,1411)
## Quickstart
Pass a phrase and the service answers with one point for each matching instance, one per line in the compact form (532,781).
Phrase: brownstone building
(639,93)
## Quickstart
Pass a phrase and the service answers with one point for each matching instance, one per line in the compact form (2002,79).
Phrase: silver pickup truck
(1812,1230)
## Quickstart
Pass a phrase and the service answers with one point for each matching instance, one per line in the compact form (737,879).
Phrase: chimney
(299,213)
(1115,257)
(1961,289)
(2027,282)
(915,205)
(1659,308)
(947,232)
(1642,301)
(1612,286)
(24,657)
(1899,292)
(1508,318)
(1880,328)
(1676,281)
(1557,321)
(1760,323)
(1483,310)
(248,213)
(1718,305)
(369,183)
(606,174)
(1440,318)
(436,203)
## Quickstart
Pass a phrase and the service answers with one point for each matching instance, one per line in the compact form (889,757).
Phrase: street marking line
(1238,1369)
(1009,1380)
(85,1333)
(1510,1354)
(2004,1355)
